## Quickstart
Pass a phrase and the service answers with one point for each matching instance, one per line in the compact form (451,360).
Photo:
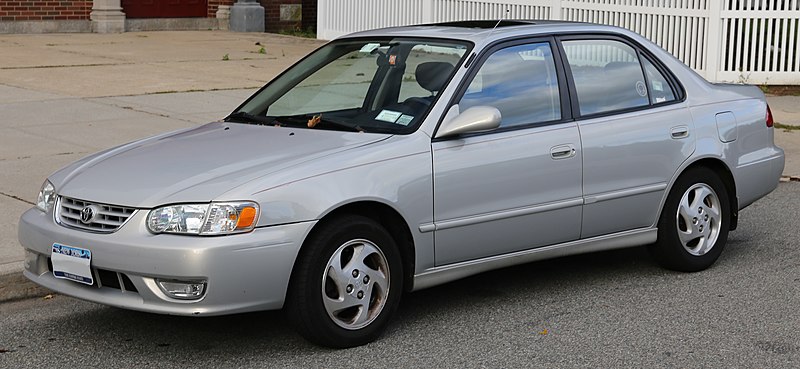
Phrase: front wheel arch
(398,231)
(348,245)
(390,219)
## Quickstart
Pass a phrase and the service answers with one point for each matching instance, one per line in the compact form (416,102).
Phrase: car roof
(483,30)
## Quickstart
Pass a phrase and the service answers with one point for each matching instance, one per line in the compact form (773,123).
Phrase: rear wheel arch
(725,175)
(694,222)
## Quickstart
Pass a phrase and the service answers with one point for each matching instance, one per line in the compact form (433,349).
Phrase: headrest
(432,75)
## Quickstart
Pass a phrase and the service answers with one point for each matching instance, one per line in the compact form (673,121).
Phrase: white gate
(750,41)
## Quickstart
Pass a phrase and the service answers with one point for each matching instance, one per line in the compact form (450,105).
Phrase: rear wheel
(346,284)
(694,223)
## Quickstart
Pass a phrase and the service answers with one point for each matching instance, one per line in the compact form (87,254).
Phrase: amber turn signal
(246,217)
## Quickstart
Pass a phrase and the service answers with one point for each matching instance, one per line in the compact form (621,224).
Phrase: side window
(521,82)
(660,90)
(607,75)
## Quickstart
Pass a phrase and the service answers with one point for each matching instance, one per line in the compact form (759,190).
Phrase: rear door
(634,127)
(519,186)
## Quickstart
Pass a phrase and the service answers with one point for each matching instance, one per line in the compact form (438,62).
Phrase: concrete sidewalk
(64,96)
(136,63)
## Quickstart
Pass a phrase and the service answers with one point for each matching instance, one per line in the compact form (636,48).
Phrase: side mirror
(474,119)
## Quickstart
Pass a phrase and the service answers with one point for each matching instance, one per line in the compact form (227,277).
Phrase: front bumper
(244,272)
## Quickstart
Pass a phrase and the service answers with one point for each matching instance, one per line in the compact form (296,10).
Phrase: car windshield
(367,85)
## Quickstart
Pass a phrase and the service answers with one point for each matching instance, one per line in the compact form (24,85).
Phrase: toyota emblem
(88,214)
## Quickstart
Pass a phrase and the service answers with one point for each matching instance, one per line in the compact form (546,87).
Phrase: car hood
(197,165)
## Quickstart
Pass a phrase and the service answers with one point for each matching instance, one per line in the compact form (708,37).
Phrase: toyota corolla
(398,159)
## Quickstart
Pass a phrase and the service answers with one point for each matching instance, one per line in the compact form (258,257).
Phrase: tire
(694,224)
(346,283)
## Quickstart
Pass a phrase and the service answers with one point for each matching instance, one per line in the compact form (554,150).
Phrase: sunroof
(485,23)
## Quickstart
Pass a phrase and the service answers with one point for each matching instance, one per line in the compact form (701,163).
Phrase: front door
(165,8)
(519,186)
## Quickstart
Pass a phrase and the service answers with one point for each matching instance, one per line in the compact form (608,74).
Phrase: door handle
(679,132)
(562,152)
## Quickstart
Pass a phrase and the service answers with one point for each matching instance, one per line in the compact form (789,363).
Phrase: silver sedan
(398,159)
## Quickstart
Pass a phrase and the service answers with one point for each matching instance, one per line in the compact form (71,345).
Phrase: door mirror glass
(475,119)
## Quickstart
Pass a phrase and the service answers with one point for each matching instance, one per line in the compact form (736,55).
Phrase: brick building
(39,16)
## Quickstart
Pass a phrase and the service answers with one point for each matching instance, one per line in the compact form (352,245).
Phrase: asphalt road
(607,310)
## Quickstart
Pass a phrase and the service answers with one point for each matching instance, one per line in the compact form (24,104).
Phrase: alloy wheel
(699,219)
(355,284)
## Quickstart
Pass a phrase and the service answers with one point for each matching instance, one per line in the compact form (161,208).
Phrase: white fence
(750,41)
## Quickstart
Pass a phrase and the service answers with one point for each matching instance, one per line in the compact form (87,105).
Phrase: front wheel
(694,223)
(347,283)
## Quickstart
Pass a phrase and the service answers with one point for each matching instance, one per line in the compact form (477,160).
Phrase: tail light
(770,121)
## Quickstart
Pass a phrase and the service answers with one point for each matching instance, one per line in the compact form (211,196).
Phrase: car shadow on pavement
(271,331)
(263,329)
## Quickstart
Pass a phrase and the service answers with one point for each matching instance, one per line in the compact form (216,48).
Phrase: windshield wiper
(244,117)
(340,123)
(304,119)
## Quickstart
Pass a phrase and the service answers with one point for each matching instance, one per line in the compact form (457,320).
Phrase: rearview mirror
(474,119)
(369,48)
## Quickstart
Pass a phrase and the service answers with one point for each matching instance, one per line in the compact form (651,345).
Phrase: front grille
(115,280)
(108,218)
(107,278)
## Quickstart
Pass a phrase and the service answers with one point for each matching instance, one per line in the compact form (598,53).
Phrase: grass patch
(786,127)
(65,66)
(309,32)
(781,90)
(193,90)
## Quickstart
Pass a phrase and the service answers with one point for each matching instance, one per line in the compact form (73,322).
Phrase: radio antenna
(500,20)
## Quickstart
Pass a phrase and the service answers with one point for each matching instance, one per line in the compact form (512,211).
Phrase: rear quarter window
(660,89)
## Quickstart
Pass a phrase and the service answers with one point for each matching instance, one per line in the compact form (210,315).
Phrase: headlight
(204,219)
(47,197)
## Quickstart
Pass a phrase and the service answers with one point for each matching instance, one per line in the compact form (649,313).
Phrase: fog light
(184,290)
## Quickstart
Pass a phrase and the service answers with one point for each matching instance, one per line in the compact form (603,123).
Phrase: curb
(15,286)
(790,179)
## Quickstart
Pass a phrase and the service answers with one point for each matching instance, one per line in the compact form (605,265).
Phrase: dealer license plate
(72,263)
